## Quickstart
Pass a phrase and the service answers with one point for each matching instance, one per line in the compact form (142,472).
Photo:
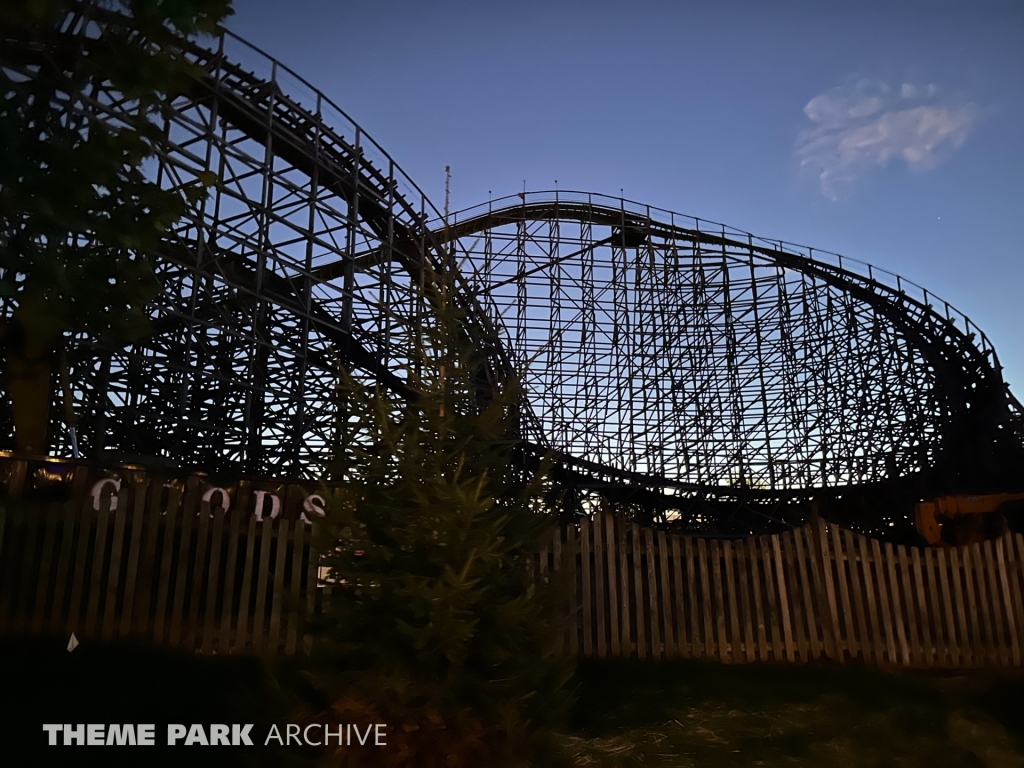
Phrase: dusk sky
(892,132)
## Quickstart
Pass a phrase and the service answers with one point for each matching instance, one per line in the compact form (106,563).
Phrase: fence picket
(696,644)
(599,586)
(864,549)
(907,592)
(793,591)
(114,573)
(997,606)
(744,581)
(947,603)
(883,600)
(191,625)
(976,647)
(811,647)
(263,575)
(163,585)
(588,627)
(611,552)
(8,602)
(50,520)
(935,604)
(146,575)
(638,591)
(1011,567)
(626,645)
(99,550)
(956,575)
(277,598)
(188,517)
(853,559)
(241,635)
(897,608)
(682,642)
(780,578)
(987,630)
(822,563)
(734,617)
(160,566)
(665,606)
(20,605)
(295,577)
(216,542)
(70,519)
(766,543)
(705,589)
(719,596)
(755,573)
(134,544)
(573,545)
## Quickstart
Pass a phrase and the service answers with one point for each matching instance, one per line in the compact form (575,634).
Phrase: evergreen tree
(77,211)
(434,626)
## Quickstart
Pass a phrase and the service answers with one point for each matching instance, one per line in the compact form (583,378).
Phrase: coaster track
(682,372)
(683,360)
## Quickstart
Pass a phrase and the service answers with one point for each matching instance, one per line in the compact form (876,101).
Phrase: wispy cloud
(857,127)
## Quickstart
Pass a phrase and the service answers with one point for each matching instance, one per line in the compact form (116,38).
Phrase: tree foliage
(78,212)
(434,624)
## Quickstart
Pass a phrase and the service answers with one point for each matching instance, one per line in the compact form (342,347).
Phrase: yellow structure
(958,520)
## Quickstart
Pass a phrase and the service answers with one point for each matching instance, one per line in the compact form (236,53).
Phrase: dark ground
(628,713)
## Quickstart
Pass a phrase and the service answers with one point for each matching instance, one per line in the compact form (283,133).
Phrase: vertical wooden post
(259,628)
(208,630)
(189,516)
(883,602)
(671,650)
(615,633)
(954,649)
(99,552)
(977,647)
(845,577)
(652,595)
(774,610)
(780,577)
(754,554)
(277,596)
(696,640)
(588,626)
(997,607)
(50,520)
(241,632)
(813,615)
(638,591)
(957,576)
(720,601)
(67,535)
(191,625)
(823,563)
(707,607)
(743,563)
(626,642)
(682,642)
(864,639)
(572,545)
(792,585)
(132,574)
(163,585)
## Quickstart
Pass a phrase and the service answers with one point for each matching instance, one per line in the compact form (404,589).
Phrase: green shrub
(434,626)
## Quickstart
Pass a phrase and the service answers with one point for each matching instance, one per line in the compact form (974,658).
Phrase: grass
(125,682)
(701,714)
(628,713)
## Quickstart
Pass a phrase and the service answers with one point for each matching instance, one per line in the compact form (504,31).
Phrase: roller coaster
(681,372)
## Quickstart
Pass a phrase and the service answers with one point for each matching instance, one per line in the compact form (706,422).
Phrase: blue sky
(892,132)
